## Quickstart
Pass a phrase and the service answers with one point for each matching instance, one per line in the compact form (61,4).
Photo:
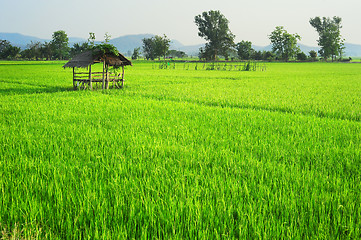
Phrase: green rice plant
(181,154)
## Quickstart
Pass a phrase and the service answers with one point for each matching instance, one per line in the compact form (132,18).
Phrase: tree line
(157,47)
(213,27)
(56,49)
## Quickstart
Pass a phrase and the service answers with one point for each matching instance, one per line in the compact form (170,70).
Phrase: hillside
(352,50)
(19,40)
(22,41)
(129,42)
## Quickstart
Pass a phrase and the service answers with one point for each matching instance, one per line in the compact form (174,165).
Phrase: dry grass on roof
(84,59)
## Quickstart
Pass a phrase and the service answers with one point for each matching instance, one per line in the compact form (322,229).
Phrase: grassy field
(182,154)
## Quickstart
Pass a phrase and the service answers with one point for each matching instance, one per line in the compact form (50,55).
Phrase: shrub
(301,56)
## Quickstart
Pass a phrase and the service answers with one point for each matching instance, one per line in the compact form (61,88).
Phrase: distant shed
(86,80)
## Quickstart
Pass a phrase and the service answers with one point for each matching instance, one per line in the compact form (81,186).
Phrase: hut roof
(87,58)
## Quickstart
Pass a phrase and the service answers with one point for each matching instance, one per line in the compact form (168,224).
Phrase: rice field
(182,153)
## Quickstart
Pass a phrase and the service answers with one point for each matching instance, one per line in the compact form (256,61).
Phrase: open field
(182,154)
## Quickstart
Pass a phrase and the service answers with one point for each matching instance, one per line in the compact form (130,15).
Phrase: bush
(313,55)
(301,56)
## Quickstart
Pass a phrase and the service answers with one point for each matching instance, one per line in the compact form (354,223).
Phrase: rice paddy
(182,153)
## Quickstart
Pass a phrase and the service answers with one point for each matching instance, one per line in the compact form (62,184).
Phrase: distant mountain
(352,50)
(128,43)
(262,48)
(22,41)
(307,49)
(191,50)
(73,40)
(19,40)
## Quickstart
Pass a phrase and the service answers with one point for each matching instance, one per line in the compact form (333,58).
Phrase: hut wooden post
(107,77)
(74,85)
(122,76)
(90,77)
(103,80)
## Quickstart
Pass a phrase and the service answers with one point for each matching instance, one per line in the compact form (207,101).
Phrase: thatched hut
(84,80)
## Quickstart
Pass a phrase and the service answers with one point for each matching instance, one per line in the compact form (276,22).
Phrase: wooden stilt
(90,77)
(103,80)
(107,77)
(74,84)
(122,77)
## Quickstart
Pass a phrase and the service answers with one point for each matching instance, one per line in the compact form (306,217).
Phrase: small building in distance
(105,79)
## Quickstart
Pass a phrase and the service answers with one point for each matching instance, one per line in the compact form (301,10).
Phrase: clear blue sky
(250,20)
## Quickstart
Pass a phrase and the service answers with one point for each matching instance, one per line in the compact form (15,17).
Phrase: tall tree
(330,39)
(313,55)
(8,51)
(47,50)
(161,45)
(26,54)
(148,48)
(60,44)
(244,50)
(284,44)
(78,48)
(91,39)
(176,53)
(213,27)
(35,49)
(136,53)
(156,47)
(107,37)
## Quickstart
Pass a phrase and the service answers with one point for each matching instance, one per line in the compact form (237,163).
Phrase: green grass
(182,154)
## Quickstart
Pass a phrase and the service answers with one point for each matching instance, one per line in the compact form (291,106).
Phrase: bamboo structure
(90,80)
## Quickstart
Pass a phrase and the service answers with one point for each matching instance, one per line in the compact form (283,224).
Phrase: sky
(250,20)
